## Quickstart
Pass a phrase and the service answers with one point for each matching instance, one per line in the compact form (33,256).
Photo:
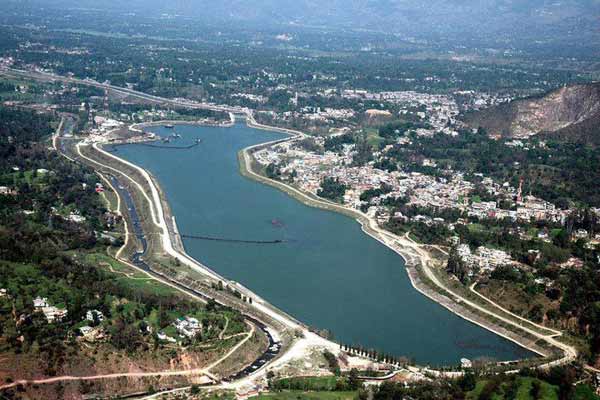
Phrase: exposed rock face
(377,117)
(557,110)
(571,113)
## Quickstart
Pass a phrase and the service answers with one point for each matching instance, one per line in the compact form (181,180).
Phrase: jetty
(220,239)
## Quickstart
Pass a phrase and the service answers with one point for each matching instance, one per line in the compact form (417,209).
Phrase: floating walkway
(218,239)
(158,146)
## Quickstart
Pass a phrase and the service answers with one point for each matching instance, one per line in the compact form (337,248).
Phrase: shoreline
(281,323)
(408,250)
(366,227)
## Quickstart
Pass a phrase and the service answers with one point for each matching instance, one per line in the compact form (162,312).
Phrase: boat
(169,126)
(277,223)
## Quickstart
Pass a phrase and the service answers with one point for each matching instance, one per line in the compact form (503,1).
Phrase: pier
(219,239)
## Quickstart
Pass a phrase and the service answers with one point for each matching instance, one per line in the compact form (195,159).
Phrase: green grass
(524,385)
(320,383)
(128,276)
(477,227)
(474,394)
(548,392)
(373,138)
(148,285)
(585,392)
(298,395)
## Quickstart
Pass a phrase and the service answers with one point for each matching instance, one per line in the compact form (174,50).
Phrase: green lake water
(329,274)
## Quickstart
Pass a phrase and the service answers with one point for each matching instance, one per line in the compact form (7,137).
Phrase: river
(327,272)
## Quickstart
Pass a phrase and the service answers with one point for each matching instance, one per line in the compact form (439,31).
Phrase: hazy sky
(528,19)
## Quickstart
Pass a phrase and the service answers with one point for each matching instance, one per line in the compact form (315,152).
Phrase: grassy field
(297,395)
(127,275)
(523,388)
(373,138)
(318,383)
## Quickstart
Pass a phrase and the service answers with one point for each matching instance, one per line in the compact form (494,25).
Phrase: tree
(364,151)
(332,189)
(353,382)
(334,366)
(467,382)
(457,266)
(272,171)
(535,390)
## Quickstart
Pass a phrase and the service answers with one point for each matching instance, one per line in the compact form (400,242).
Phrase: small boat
(169,126)
(277,223)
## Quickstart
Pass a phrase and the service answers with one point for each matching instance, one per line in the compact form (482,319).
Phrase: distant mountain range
(570,114)
(482,17)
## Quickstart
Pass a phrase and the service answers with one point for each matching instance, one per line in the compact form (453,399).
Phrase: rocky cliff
(570,113)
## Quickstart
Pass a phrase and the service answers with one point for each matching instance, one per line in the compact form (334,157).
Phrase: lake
(328,273)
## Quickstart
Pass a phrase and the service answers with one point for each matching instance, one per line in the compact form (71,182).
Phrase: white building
(162,336)
(188,326)
(50,312)
(91,313)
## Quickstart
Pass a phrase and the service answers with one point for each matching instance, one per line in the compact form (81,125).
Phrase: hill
(570,114)
(509,18)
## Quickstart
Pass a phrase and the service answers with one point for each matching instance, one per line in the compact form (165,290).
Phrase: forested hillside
(66,306)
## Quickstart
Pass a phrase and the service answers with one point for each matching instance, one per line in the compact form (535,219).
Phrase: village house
(484,259)
(94,315)
(188,326)
(90,334)
(247,392)
(77,218)
(162,336)
(6,191)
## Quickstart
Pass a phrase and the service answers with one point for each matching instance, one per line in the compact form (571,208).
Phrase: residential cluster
(526,208)
(325,115)
(484,259)
(307,169)
(6,62)
(440,111)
